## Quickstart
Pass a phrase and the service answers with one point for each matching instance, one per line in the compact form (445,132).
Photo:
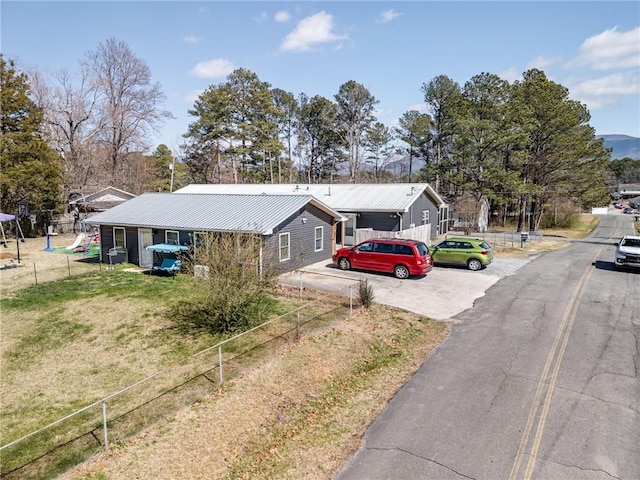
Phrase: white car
(628,252)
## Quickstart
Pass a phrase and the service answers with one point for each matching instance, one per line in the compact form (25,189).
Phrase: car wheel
(400,271)
(474,264)
(344,264)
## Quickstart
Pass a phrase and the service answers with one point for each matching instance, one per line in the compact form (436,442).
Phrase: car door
(445,253)
(362,256)
(464,251)
(383,257)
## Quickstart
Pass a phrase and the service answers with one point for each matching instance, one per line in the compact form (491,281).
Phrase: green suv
(474,253)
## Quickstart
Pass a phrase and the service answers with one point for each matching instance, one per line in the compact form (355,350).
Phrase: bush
(365,291)
(236,295)
(218,315)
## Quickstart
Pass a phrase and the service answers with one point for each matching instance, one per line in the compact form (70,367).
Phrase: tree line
(520,146)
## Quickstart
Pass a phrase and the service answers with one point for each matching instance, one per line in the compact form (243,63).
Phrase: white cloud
(610,49)
(510,75)
(192,96)
(543,63)
(311,31)
(216,68)
(387,16)
(282,16)
(191,39)
(621,83)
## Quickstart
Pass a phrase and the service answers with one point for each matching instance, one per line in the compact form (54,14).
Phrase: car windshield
(631,242)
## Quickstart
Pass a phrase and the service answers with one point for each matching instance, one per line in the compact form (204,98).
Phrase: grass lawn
(71,342)
(68,343)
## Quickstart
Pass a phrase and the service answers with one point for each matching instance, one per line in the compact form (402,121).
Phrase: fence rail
(54,448)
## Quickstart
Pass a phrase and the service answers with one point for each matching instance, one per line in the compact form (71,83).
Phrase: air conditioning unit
(201,271)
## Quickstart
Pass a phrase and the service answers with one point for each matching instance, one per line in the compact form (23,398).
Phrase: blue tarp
(167,248)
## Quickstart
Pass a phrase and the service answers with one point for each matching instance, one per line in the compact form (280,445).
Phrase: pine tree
(29,168)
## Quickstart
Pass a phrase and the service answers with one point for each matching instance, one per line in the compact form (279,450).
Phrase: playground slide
(77,242)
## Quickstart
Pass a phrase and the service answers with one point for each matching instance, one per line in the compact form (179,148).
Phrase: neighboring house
(297,230)
(389,207)
(101,200)
(628,190)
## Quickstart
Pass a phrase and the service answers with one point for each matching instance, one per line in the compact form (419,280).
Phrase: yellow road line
(554,377)
(563,332)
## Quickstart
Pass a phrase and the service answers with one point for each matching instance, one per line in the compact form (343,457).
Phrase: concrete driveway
(440,295)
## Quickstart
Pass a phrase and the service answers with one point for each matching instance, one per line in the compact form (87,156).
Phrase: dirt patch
(38,265)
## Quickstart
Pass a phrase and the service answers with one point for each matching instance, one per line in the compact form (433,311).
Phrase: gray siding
(386,222)
(302,240)
(415,212)
(391,222)
(106,242)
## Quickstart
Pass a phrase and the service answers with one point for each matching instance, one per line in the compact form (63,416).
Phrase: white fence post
(104,424)
(350,300)
(220,363)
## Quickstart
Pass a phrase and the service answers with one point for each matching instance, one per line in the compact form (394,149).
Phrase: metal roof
(198,212)
(369,197)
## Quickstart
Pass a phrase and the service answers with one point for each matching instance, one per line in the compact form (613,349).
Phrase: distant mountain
(623,146)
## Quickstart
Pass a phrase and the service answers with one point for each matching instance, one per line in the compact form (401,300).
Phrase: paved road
(541,379)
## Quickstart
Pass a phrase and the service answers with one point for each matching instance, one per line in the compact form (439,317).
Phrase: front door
(349,237)
(145,238)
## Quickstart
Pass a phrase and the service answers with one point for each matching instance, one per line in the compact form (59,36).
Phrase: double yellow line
(540,407)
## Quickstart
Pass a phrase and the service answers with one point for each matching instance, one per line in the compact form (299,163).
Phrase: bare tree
(130,105)
(69,106)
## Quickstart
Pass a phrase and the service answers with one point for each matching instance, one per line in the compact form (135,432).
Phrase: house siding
(386,221)
(302,240)
(415,212)
(392,222)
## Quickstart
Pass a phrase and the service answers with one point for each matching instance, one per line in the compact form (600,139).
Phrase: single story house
(101,200)
(389,207)
(297,230)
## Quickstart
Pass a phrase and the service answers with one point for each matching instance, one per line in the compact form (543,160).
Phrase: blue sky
(392,48)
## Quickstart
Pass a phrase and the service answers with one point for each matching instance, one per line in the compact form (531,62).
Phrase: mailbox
(524,236)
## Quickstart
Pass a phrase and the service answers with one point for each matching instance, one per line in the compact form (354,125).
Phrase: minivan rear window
(404,250)
(422,249)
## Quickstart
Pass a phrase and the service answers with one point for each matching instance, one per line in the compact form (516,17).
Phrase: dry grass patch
(582,226)
(299,414)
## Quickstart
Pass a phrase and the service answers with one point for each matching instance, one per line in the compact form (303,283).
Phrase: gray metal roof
(370,197)
(198,212)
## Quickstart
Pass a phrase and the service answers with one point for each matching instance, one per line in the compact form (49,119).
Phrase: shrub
(236,295)
(365,291)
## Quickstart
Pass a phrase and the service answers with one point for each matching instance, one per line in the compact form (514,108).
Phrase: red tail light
(484,252)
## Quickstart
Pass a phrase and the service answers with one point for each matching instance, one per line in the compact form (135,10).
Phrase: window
(384,248)
(365,247)
(285,246)
(404,250)
(172,237)
(318,245)
(119,239)
(424,217)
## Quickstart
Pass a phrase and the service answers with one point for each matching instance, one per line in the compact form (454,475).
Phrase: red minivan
(399,256)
